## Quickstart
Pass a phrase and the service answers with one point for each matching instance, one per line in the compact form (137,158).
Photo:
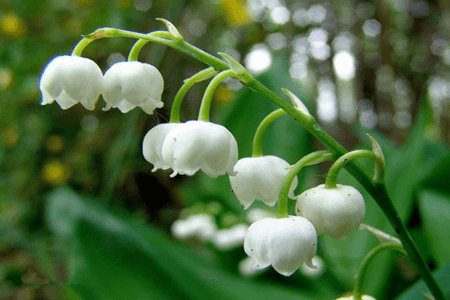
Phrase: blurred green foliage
(82,217)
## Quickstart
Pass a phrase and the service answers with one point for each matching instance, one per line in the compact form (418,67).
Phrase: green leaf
(434,209)
(418,290)
(436,175)
(117,257)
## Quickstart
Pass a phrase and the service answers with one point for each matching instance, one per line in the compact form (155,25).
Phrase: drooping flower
(226,239)
(200,145)
(201,226)
(152,145)
(335,211)
(363,297)
(131,83)
(260,178)
(284,243)
(69,80)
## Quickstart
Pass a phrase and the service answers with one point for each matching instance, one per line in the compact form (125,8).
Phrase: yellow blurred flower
(236,12)
(10,137)
(124,4)
(223,94)
(55,173)
(8,211)
(12,25)
(54,144)
(6,79)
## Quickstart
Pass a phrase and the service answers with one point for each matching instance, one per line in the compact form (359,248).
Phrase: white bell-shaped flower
(131,83)
(226,239)
(152,145)
(284,243)
(260,178)
(200,145)
(335,211)
(363,297)
(69,80)
(202,227)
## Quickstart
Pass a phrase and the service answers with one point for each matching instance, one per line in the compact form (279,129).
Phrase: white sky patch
(344,65)
(300,17)
(317,13)
(326,101)
(258,59)
(319,49)
(280,15)
(371,28)
(277,41)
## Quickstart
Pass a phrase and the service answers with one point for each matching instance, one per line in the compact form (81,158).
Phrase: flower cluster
(69,80)
(287,242)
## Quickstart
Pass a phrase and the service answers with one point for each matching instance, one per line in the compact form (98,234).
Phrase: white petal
(196,145)
(132,83)
(334,211)
(152,145)
(260,178)
(230,238)
(284,243)
(71,79)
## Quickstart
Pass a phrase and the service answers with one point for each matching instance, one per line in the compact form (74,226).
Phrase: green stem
(357,291)
(380,194)
(166,40)
(311,158)
(134,52)
(188,83)
(205,106)
(332,176)
(262,127)
(79,47)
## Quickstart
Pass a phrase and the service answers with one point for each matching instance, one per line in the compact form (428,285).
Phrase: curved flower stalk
(200,145)
(260,178)
(335,211)
(284,243)
(69,80)
(129,84)
(152,145)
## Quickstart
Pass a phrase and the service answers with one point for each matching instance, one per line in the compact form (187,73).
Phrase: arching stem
(310,159)
(332,176)
(188,83)
(205,106)
(262,127)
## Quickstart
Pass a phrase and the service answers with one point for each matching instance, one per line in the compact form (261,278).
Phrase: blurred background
(82,216)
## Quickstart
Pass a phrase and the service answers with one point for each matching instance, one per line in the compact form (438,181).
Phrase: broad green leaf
(417,291)
(117,257)
(434,209)
(436,175)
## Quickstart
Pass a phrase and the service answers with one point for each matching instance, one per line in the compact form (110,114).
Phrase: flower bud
(69,80)
(284,243)
(335,211)
(131,83)
(196,145)
(260,178)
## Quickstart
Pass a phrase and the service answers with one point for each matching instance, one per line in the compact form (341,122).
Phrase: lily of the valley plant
(285,241)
